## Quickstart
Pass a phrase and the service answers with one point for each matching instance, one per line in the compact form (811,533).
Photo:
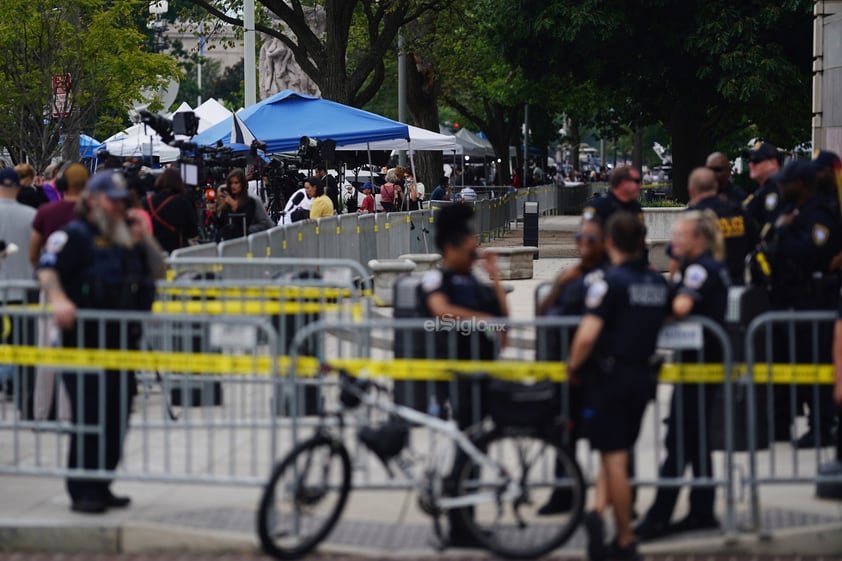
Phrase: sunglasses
(590,238)
(716,169)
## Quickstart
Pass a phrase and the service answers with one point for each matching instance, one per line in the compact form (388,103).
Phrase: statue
(278,69)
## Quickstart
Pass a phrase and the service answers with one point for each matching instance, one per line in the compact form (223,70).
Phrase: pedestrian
(367,206)
(174,218)
(49,185)
(455,296)
(389,192)
(412,198)
(623,196)
(719,164)
(467,194)
(321,205)
(623,316)
(442,190)
(298,205)
(800,249)
(420,190)
(31,193)
(239,214)
(517,183)
(55,215)
(567,299)
(15,227)
(701,287)
(329,182)
(103,260)
(736,226)
(829,178)
(764,205)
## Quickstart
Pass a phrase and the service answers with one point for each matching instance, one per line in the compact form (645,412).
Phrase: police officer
(764,205)
(701,286)
(458,299)
(719,164)
(624,313)
(623,196)
(567,298)
(106,259)
(737,228)
(800,249)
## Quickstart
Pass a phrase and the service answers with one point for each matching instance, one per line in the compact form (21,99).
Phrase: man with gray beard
(105,260)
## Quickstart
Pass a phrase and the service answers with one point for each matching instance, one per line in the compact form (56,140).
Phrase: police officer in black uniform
(719,164)
(737,228)
(800,250)
(567,298)
(104,260)
(623,196)
(764,205)
(701,285)
(459,300)
(624,313)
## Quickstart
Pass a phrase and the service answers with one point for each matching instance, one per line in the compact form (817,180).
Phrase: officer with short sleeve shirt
(624,314)
(701,286)
(105,260)
(622,197)
(800,251)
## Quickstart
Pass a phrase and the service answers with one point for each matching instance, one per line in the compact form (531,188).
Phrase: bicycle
(505,469)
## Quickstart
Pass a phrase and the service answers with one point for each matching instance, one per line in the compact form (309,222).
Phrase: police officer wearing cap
(800,250)
(623,196)
(457,298)
(624,313)
(104,260)
(737,228)
(764,205)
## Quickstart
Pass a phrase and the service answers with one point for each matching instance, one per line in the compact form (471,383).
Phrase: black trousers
(684,448)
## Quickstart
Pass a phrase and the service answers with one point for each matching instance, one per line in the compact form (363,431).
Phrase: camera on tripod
(314,150)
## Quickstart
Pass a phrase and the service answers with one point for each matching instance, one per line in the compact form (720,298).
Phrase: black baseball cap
(762,152)
(826,159)
(796,170)
(9,177)
(109,182)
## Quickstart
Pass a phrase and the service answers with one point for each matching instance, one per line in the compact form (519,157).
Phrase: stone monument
(278,68)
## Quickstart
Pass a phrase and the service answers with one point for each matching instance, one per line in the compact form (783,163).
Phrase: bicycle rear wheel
(551,482)
(304,498)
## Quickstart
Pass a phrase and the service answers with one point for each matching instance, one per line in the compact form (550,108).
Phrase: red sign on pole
(61,93)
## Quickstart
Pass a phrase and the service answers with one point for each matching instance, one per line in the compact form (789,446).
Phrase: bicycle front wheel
(304,498)
(548,508)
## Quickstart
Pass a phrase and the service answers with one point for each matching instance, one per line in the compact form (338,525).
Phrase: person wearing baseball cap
(828,175)
(106,260)
(800,250)
(764,205)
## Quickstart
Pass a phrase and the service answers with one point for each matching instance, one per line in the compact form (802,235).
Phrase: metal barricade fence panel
(350,238)
(294,237)
(789,403)
(189,432)
(308,240)
(419,224)
(398,225)
(202,250)
(233,249)
(381,235)
(277,242)
(418,359)
(259,245)
(368,238)
(329,237)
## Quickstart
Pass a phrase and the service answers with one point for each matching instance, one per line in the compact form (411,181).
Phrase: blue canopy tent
(88,146)
(281,120)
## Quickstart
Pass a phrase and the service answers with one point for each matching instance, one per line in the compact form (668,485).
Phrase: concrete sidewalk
(216,519)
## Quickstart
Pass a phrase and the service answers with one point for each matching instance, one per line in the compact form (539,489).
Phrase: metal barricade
(329,238)
(420,241)
(788,369)
(368,238)
(277,242)
(381,236)
(204,250)
(259,245)
(425,362)
(349,243)
(200,415)
(294,241)
(398,232)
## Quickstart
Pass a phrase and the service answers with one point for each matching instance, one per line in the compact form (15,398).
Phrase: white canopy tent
(210,113)
(419,139)
(140,140)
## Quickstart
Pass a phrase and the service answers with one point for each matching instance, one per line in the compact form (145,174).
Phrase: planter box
(514,263)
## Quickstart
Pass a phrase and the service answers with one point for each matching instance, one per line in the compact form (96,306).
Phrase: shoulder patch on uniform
(56,241)
(589,213)
(820,234)
(771,201)
(695,276)
(432,280)
(596,294)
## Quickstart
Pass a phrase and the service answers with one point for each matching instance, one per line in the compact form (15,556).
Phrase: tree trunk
(690,146)
(423,101)
(637,147)
(575,135)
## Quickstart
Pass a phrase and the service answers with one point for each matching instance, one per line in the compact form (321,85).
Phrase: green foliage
(95,41)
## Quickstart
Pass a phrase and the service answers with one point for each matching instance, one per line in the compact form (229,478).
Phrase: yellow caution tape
(286,292)
(248,307)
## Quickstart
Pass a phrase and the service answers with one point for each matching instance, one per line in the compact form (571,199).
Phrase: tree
(703,68)
(92,40)
(342,75)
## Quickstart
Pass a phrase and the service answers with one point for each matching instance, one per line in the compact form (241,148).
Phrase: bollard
(386,273)
(423,261)
(530,226)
